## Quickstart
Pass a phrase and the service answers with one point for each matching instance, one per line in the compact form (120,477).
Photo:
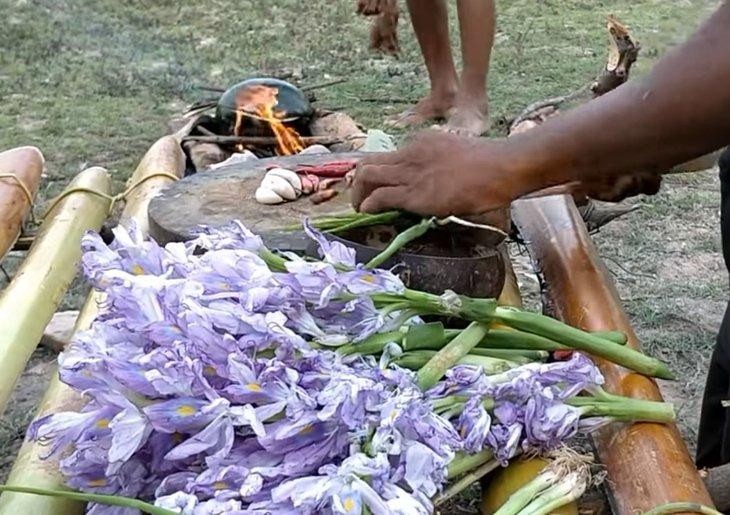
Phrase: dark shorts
(713,439)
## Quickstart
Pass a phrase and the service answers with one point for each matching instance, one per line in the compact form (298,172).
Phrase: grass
(95,82)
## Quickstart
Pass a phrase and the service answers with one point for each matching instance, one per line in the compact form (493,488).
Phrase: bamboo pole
(26,164)
(29,468)
(648,464)
(31,298)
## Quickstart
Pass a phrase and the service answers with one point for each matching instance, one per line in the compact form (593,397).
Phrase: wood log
(30,469)
(260,140)
(648,464)
(26,163)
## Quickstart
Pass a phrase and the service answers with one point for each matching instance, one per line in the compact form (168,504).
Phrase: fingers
(383,199)
(367,179)
(375,171)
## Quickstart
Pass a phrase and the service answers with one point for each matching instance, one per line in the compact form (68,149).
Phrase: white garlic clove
(266,196)
(279,186)
(292,177)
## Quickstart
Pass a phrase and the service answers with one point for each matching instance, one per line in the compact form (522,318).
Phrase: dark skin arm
(679,112)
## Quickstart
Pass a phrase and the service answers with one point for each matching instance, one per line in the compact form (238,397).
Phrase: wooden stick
(323,85)
(260,140)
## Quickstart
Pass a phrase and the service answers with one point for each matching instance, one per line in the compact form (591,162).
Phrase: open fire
(264,117)
(258,102)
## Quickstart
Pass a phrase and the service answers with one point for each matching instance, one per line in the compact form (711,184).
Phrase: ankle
(472,99)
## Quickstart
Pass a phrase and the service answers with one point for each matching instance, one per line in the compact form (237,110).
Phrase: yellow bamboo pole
(31,298)
(29,469)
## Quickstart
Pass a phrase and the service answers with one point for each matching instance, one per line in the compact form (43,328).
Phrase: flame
(258,102)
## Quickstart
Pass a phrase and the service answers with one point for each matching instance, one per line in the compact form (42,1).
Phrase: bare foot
(469,119)
(429,109)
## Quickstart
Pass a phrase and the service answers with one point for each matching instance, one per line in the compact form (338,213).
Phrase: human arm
(678,112)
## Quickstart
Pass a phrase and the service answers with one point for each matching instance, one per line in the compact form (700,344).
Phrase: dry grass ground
(95,82)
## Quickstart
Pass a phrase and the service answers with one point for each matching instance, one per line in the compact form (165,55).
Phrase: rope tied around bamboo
(113,199)
(24,188)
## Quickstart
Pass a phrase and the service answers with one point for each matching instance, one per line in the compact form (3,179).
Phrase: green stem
(524,496)
(512,339)
(416,360)
(559,494)
(626,410)
(448,402)
(466,481)
(366,220)
(572,337)
(371,345)
(682,507)
(274,261)
(463,463)
(447,357)
(521,356)
(401,241)
(111,500)
(612,336)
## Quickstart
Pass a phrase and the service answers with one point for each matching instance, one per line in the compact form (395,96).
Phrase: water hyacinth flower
(548,421)
(210,387)
(474,424)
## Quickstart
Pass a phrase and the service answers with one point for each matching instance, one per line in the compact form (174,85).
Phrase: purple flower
(222,483)
(180,502)
(461,379)
(183,415)
(569,378)
(233,235)
(332,252)
(341,489)
(474,424)
(215,440)
(505,441)
(400,502)
(549,422)
(362,281)
(313,282)
(424,469)
(129,253)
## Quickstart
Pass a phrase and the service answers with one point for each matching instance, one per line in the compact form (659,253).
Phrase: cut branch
(622,54)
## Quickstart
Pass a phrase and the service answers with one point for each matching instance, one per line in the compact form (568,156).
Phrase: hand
(370,7)
(616,189)
(438,174)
